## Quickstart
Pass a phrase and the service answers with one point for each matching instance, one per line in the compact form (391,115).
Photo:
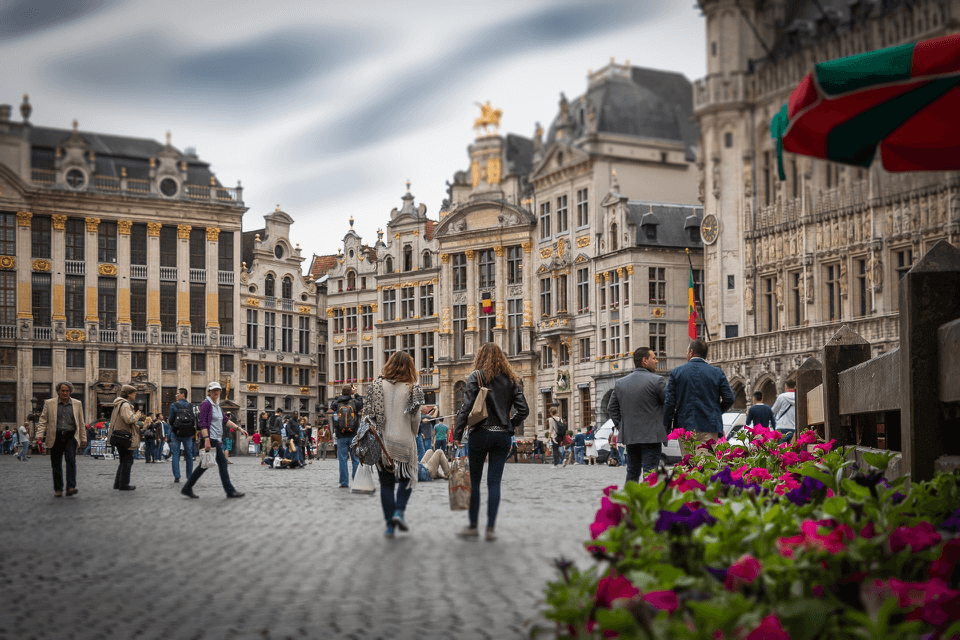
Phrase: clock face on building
(709,229)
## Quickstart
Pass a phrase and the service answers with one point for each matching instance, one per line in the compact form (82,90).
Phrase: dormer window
(408,258)
(351,280)
(427,260)
(269,286)
(286,288)
(613,236)
(649,223)
(76,179)
(651,231)
(388,265)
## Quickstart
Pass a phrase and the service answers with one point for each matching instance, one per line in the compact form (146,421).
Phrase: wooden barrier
(814,408)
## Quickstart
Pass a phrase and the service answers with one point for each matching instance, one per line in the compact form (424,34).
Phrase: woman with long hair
(393,402)
(490,438)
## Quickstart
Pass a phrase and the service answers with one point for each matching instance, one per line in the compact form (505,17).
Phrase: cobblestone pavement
(298,557)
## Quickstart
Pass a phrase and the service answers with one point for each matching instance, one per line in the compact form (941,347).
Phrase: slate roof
(671,230)
(246,245)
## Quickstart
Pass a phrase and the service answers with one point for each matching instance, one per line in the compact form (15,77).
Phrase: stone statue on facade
(748,295)
(877,273)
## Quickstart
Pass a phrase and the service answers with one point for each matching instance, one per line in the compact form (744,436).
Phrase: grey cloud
(24,17)
(414,95)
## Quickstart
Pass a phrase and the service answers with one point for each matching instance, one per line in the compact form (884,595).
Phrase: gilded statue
(489,117)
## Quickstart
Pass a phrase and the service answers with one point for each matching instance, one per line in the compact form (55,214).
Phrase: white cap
(214,385)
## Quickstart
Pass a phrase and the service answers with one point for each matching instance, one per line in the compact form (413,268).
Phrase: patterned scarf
(402,446)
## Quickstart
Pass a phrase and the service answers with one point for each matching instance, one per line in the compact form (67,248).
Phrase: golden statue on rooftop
(489,117)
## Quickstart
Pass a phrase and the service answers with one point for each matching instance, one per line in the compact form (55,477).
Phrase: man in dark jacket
(697,395)
(760,414)
(275,427)
(185,441)
(636,408)
(344,432)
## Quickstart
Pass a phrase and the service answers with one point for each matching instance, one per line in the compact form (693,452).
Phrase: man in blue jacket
(697,395)
(183,428)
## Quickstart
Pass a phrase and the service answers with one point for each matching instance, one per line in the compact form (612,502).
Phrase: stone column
(444,304)
(844,350)
(213,306)
(183,292)
(500,298)
(91,273)
(471,333)
(58,317)
(153,283)
(529,276)
(124,324)
(24,318)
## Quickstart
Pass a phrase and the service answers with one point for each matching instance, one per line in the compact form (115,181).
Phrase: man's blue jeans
(642,456)
(578,454)
(343,452)
(189,452)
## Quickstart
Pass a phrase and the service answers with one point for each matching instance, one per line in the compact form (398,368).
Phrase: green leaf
(817,474)
(880,460)
(619,620)
(771,513)
(835,506)
(643,580)
(804,618)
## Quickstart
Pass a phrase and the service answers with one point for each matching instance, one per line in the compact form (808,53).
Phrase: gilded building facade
(117,265)
(280,336)
(788,262)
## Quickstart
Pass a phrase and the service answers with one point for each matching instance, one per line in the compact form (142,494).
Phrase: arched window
(268,286)
(613,236)
(408,258)
(458,390)
(286,288)
(388,265)
(427,260)
(351,280)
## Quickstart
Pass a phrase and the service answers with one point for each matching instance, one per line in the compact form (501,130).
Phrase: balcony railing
(42,333)
(270,303)
(43,176)
(136,185)
(138,272)
(225,277)
(226,341)
(198,275)
(138,337)
(168,337)
(74,267)
(198,339)
(8,331)
(108,335)
(719,89)
(427,380)
(168,274)
(106,183)
(286,305)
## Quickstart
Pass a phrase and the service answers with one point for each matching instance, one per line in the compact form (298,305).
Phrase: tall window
(367,363)
(40,299)
(796,298)
(338,320)
(586,408)
(614,288)
(563,354)
(544,220)
(253,328)
(408,258)
(225,309)
(8,297)
(168,246)
(426,350)
(426,300)
(615,339)
(459,330)
(626,337)
(388,264)
(269,330)
(286,375)
(583,290)
(270,374)
(198,307)
(658,338)
(389,304)
(366,318)
(486,321)
(225,251)
(303,343)
(74,236)
(546,307)
(286,331)
(168,306)
(107,242)
(486,268)
(514,265)
(352,364)
(269,286)
(614,238)
(459,272)
(769,311)
(767,186)
(107,359)
(73,301)
(561,214)
(514,325)
(408,306)
(546,356)
(40,236)
(351,280)
(584,349)
(408,344)
(339,367)
(426,261)
(562,293)
(107,303)
(389,347)
(583,218)
(138,305)
(286,288)
(198,248)
(833,292)
(138,244)
(350,315)
(862,295)
(658,285)
(8,235)
(76,359)
(904,262)
(253,371)
(698,286)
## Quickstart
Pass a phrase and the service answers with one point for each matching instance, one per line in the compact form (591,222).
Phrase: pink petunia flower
(944,566)
(769,629)
(612,588)
(760,474)
(680,434)
(833,541)
(789,458)
(684,484)
(807,437)
(736,475)
(742,573)
(825,446)
(664,600)
(651,478)
(806,457)
(609,515)
(922,536)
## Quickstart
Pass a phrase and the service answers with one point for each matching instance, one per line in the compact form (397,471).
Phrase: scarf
(400,442)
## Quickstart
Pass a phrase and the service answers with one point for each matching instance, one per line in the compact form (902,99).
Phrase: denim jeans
(557,453)
(149,449)
(579,453)
(496,446)
(125,464)
(86,451)
(394,494)
(64,447)
(441,444)
(189,452)
(221,465)
(642,456)
(24,450)
(343,452)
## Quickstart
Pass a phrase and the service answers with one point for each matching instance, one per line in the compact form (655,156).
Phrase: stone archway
(769,390)
(739,396)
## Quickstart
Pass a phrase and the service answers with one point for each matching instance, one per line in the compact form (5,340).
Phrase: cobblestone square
(298,557)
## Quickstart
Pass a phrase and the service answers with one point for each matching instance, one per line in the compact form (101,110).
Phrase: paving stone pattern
(298,557)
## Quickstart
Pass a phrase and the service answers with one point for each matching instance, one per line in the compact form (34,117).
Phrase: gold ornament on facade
(493,171)
(253,387)
(92,224)
(561,247)
(123,172)
(8,262)
(59,221)
(153,229)
(619,272)
(183,231)
(498,250)
(396,236)
(489,117)
(658,312)
(629,269)
(75,335)
(527,247)
(23,218)
(338,340)
(416,232)
(445,321)
(254,302)
(470,253)
(545,253)
(367,337)
(474,173)
(606,276)
(153,163)
(445,258)
(41,265)
(305,391)
(213,233)
(304,309)
(373,307)
(107,269)
(583,241)
(596,277)
(527,313)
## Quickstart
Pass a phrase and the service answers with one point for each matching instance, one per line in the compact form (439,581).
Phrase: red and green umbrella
(904,99)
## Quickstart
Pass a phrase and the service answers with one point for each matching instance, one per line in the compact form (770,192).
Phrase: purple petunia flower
(952,523)
(684,518)
(806,491)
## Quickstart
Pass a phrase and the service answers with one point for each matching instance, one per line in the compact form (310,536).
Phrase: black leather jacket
(504,395)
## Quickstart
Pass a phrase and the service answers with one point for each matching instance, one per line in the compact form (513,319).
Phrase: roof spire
(351,218)
(168,137)
(75,125)
(25,108)
(278,207)
(408,186)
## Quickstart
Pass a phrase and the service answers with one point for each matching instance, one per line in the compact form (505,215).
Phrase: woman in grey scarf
(393,402)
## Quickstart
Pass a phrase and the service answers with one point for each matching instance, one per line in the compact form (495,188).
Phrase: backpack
(347,418)
(150,432)
(561,427)
(184,422)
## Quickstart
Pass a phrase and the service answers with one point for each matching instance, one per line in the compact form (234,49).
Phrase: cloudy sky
(326,108)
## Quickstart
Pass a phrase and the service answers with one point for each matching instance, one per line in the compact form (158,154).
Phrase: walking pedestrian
(440,434)
(760,414)
(785,411)
(183,430)
(636,408)
(24,438)
(393,402)
(324,439)
(557,429)
(150,440)
(579,446)
(490,438)
(347,408)
(124,418)
(61,425)
(212,426)
(697,395)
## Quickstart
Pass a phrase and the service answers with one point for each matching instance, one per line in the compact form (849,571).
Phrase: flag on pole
(691,311)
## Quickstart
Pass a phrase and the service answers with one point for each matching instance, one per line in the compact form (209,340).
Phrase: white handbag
(363,480)
(208,458)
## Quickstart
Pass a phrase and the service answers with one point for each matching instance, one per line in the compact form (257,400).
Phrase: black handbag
(122,439)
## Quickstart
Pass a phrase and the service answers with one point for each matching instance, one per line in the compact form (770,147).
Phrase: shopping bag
(363,480)
(459,488)
(208,458)
(166,449)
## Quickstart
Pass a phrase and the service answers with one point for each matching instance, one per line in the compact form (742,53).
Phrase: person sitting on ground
(291,456)
(271,455)
(436,463)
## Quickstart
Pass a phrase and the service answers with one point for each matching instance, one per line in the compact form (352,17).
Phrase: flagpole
(696,298)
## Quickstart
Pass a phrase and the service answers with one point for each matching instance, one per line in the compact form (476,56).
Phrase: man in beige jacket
(61,428)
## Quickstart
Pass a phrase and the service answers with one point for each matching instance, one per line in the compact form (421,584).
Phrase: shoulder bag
(121,438)
(478,413)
